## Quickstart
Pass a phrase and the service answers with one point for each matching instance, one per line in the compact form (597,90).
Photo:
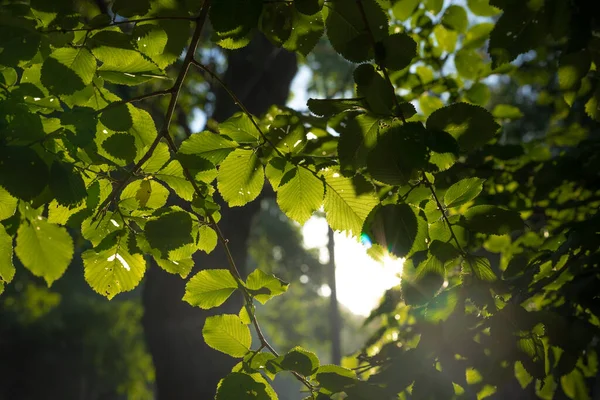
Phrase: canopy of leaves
(492,201)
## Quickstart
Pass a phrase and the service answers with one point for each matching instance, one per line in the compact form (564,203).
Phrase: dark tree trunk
(186,368)
(335,322)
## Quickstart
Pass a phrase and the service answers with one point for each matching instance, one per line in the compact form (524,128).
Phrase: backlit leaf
(347,32)
(228,334)
(210,288)
(170,231)
(113,270)
(301,361)
(7,269)
(241,177)
(301,195)
(463,191)
(265,286)
(44,248)
(345,209)
(471,126)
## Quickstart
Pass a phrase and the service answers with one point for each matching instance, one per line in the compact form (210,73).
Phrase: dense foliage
(498,222)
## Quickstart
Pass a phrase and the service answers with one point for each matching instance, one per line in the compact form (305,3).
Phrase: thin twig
(238,102)
(441,208)
(139,98)
(174,92)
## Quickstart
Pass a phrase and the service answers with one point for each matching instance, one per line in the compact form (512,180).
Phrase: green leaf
(573,67)
(439,230)
(469,64)
(374,88)
(208,238)
(151,41)
(306,32)
(463,191)
(445,38)
(399,154)
(131,8)
(179,267)
(419,285)
(172,174)
(482,8)
(240,128)
(477,35)
(158,159)
(238,385)
(143,193)
(241,177)
(335,378)
(519,29)
(403,9)
(479,93)
(22,172)
(356,139)
(331,107)
(210,288)
(346,210)
(400,49)
(121,62)
(301,361)
(45,249)
(574,386)
(435,6)
(265,286)
(309,7)
(117,118)
(210,146)
(66,184)
(430,104)
(169,232)
(286,135)
(455,18)
(234,19)
(492,220)
(276,169)
(18,43)
(472,126)
(506,111)
(7,269)
(347,32)
(276,22)
(481,268)
(97,230)
(395,227)
(68,70)
(301,195)
(8,204)
(228,334)
(442,306)
(113,270)
(121,146)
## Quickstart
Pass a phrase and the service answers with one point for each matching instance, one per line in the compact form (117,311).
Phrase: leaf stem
(238,102)
(442,210)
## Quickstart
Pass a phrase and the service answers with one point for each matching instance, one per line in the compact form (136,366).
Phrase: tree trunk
(186,368)
(335,323)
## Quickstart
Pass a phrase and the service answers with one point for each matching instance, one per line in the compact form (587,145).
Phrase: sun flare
(361,281)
